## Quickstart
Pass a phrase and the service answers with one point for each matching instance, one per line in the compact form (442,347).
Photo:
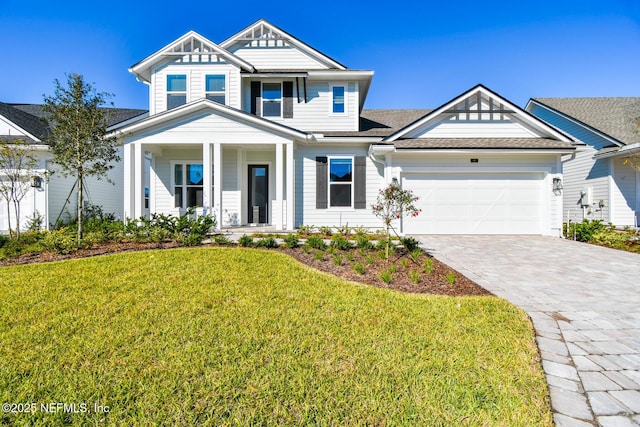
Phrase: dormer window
(176,90)
(216,88)
(271,99)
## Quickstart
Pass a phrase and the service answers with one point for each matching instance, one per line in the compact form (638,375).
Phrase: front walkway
(584,302)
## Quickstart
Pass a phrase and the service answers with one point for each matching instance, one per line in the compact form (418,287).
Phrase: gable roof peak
(265,30)
(191,43)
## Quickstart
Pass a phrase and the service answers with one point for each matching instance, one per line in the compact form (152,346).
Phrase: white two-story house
(263,129)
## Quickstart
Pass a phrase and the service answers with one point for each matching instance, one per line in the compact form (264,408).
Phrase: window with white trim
(271,99)
(176,90)
(340,182)
(187,185)
(338,100)
(216,87)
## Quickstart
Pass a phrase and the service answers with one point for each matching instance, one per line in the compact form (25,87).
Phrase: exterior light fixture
(394,180)
(557,184)
(36,182)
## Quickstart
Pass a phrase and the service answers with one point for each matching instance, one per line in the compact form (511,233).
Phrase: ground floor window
(188,188)
(340,182)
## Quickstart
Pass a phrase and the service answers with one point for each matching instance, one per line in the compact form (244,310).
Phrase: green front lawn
(228,336)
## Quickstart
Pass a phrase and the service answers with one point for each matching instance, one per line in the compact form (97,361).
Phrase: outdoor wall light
(557,184)
(394,180)
(36,182)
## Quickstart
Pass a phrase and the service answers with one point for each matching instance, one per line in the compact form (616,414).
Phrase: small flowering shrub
(393,203)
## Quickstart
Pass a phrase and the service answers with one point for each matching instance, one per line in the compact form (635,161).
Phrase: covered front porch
(239,184)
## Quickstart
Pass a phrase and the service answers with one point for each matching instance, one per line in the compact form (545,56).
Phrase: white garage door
(476,203)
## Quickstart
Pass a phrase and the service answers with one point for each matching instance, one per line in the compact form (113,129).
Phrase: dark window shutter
(322,176)
(256,99)
(360,182)
(287,104)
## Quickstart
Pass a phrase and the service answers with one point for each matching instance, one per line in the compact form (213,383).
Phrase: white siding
(315,114)
(100,192)
(579,173)
(623,194)
(231,194)
(195,82)
(582,170)
(276,57)
(305,189)
(33,201)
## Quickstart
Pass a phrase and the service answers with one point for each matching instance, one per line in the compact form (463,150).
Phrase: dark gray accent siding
(360,182)
(256,99)
(287,100)
(322,176)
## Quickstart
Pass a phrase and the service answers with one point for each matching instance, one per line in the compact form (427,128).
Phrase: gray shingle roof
(381,122)
(616,117)
(471,143)
(29,117)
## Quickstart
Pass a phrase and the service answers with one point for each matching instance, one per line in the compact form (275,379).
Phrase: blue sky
(423,52)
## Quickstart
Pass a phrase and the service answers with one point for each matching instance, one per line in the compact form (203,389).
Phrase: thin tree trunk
(9,218)
(16,208)
(79,209)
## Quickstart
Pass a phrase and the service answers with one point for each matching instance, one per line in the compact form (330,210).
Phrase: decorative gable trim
(190,44)
(264,30)
(470,103)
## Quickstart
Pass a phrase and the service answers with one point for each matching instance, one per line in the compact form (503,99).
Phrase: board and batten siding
(623,194)
(315,114)
(306,212)
(581,170)
(195,83)
(276,57)
(100,192)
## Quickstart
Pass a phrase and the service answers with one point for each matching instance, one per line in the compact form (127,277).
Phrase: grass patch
(232,336)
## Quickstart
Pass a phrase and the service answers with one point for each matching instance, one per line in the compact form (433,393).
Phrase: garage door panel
(476,203)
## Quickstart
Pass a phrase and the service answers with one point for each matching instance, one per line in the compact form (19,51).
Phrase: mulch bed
(432,283)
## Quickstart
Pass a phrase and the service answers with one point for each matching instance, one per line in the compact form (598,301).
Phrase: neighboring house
(53,198)
(597,183)
(264,129)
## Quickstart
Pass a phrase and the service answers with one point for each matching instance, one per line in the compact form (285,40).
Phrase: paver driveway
(584,301)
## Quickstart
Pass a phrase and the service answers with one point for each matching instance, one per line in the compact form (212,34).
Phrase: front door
(258,194)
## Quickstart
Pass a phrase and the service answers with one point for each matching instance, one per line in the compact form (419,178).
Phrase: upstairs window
(216,88)
(340,182)
(271,99)
(176,90)
(337,100)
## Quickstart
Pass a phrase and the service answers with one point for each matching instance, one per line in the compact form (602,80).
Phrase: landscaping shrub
(305,230)
(3,239)
(415,254)
(220,239)
(414,275)
(358,268)
(337,259)
(325,230)
(245,241)
(292,241)
(615,239)
(316,242)
(267,242)
(386,276)
(27,242)
(585,230)
(428,265)
(344,230)
(62,241)
(362,242)
(450,277)
(410,244)
(340,242)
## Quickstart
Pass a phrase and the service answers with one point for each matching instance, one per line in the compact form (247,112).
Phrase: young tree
(17,161)
(78,133)
(393,203)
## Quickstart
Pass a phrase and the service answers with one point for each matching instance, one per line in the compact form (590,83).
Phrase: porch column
(138,184)
(290,202)
(207,192)
(277,214)
(217,183)
(128,182)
